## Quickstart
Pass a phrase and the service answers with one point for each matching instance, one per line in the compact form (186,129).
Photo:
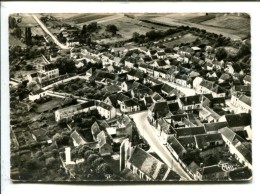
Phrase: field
(200,19)
(127,26)
(187,38)
(27,20)
(82,18)
(230,22)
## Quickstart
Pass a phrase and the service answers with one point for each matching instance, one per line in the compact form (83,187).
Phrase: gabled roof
(207,84)
(215,126)
(228,133)
(173,107)
(157,88)
(113,98)
(103,138)
(189,131)
(167,88)
(148,99)
(242,148)
(204,139)
(176,145)
(207,170)
(241,88)
(148,164)
(78,138)
(121,97)
(161,63)
(157,96)
(105,106)
(130,103)
(236,120)
(160,109)
(247,78)
(187,140)
(245,99)
(190,100)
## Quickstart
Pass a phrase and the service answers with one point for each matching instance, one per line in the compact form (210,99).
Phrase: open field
(230,22)
(27,21)
(127,26)
(82,18)
(187,38)
(202,18)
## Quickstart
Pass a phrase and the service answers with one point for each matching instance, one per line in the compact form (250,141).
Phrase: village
(142,109)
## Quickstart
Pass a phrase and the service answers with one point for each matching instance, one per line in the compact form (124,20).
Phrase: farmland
(83,18)
(15,41)
(187,38)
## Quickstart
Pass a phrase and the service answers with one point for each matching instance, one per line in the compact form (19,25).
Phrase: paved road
(147,131)
(48,32)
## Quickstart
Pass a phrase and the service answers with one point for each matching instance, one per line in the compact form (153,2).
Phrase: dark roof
(148,164)
(130,103)
(189,131)
(245,99)
(113,99)
(215,126)
(247,78)
(218,100)
(157,96)
(167,88)
(157,88)
(49,67)
(176,145)
(203,139)
(121,97)
(33,75)
(207,84)
(193,167)
(160,109)
(190,100)
(236,67)
(105,106)
(148,99)
(37,91)
(243,149)
(241,88)
(187,140)
(136,73)
(88,104)
(240,174)
(236,120)
(161,62)
(210,170)
(173,107)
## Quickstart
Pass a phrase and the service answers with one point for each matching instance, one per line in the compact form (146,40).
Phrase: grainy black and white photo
(130,97)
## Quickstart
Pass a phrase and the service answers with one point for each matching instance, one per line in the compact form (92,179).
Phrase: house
(157,97)
(104,142)
(96,128)
(233,68)
(170,92)
(129,106)
(32,77)
(158,110)
(237,121)
(89,73)
(34,95)
(121,98)
(237,146)
(188,142)
(241,102)
(176,148)
(188,131)
(148,101)
(245,89)
(190,103)
(224,78)
(149,168)
(208,115)
(203,141)
(69,112)
(208,87)
(211,173)
(127,85)
(196,82)
(161,55)
(135,74)
(112,100)
(174,107)
(159,73)
(247,80)
(183,80)
(212,128)
(47,72)
(130,62)
(106,110)
(78,140)
(171,73)
(161,64)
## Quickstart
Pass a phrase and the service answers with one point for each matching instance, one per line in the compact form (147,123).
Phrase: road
(49,33)
(147,131)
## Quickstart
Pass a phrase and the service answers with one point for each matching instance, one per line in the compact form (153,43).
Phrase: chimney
(67,155)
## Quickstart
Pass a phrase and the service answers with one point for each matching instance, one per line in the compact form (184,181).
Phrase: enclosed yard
(53,103)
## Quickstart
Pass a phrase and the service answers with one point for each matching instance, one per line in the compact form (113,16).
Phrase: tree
(111,28)
(33,164)
(65,65)
(91,158)
(135,36)
(87,154)
(12,22)
(104,168)
(97,162)
(221,54)
(92,27)
(17,32)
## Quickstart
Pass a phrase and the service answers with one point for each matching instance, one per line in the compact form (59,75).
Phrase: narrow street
(49,33)
(147,131)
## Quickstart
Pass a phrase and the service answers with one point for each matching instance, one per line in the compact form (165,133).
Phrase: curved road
(49,33)
(147,131)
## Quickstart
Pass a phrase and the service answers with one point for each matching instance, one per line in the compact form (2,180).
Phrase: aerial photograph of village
(130,97)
